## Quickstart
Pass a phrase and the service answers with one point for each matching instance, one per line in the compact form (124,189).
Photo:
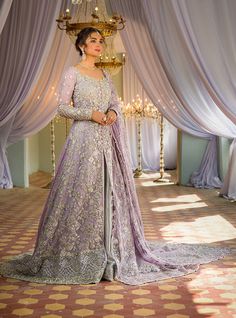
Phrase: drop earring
(83,57)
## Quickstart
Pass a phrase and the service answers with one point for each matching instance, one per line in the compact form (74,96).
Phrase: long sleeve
(65,94)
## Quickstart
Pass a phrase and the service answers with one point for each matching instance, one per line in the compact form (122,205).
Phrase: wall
(223,155)
(190,152)
(33,154)
(45,159)
(18,163)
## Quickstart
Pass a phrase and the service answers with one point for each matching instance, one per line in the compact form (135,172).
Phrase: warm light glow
(180,198)
(179,207)
(152,184)
(140,108)
(207,229)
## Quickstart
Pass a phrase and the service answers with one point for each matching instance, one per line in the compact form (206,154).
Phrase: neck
(89,61)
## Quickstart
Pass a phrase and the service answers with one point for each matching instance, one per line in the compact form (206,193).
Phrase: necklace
(89,67)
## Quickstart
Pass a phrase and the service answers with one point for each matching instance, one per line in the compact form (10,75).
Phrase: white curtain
(229,188)
(150,128)
(150,143)
(5,6)
(31,66)
(160,36)
(25,41)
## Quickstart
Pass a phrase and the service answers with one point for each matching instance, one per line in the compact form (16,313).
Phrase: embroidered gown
(91,227)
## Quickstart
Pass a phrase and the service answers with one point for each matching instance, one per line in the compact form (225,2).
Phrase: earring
(83,54)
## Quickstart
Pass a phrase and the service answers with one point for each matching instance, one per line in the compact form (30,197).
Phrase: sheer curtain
(229,188)
(24,46)
(218,24)
(171,75)
(41,53)
(5,6)
(150,129)
(150,143)
(40,106)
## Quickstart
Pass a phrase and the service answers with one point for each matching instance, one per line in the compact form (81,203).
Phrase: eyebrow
(96,38)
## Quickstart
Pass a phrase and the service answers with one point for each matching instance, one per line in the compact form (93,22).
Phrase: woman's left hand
(111,117)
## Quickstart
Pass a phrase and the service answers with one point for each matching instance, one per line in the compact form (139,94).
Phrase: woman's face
(94,45)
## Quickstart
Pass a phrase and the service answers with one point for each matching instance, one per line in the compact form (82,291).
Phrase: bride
(91,227)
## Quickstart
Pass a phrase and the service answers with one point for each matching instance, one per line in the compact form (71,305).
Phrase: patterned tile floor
(170,212)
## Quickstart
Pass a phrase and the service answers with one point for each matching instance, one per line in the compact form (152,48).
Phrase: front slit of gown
(107,196)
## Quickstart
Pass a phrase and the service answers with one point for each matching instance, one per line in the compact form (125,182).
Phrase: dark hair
(82,37)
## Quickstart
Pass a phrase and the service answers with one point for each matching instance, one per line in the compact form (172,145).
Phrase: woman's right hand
(99,117)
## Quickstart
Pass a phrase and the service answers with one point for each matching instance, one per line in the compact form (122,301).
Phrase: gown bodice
(91,93)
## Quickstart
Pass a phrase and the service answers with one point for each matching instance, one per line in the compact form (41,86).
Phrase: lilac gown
(91,227)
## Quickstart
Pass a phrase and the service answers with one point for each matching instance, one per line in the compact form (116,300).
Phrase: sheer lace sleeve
(65,94)
(114,103)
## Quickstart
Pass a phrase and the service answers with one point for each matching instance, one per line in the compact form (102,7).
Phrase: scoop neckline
(93,78)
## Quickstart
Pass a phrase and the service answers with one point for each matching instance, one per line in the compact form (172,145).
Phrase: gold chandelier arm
(122,23)
(61,28)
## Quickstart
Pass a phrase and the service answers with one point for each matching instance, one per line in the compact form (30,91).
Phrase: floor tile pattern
(171,213)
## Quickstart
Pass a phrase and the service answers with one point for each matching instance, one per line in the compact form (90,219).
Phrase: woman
(91,227)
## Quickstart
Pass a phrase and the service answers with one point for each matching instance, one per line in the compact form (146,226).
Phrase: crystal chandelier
(139,108)
(107,26)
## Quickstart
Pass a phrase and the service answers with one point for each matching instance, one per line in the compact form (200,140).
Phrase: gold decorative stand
(52,138)
(162,160)
(138,172)
(140,109)
(65,121)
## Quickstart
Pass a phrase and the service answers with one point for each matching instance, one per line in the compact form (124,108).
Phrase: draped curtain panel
(150,128)
(170,69)
(229,188)
(24,45)
(32,64)
(218,24)
(150,143)
(183,69)
(25,42)
(40,106)
(5,6)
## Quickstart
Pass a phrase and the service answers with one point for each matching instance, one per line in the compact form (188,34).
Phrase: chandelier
(116,23)
(139,108)
(108,26)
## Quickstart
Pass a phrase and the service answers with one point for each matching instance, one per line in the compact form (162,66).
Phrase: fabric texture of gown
(91,227)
